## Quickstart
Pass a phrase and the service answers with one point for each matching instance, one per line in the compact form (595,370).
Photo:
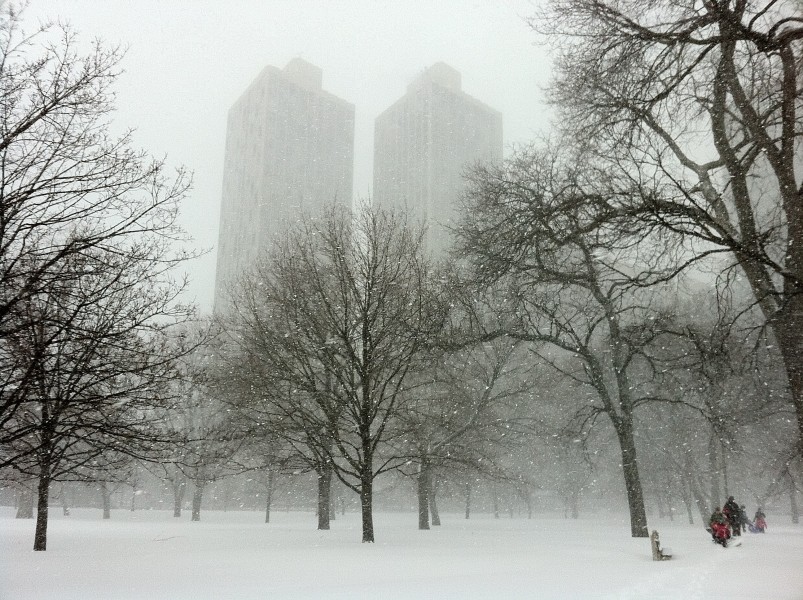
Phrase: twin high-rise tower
(425,141)
(290,147)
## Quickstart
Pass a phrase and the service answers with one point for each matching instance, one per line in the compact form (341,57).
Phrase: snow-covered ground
(234,555)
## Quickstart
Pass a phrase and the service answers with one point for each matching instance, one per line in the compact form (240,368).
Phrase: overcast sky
(189,60)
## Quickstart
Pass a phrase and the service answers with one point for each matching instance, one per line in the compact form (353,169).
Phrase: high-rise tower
(424,142)
(289,147)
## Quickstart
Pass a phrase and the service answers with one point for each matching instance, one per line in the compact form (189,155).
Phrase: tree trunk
(468,499)
(635,496)
(107,500)
(26,502)
(713,461)
(226,494)
(433,505)
(197,498)
(793,501)
(687,500)
(269,495)
(40,536)
(366,503)
(694,489)
(324,500)
(788,327)
(528,502)
(423,494)
(663,500)
(179,487)
(495,499)
(574,503)
(65,504)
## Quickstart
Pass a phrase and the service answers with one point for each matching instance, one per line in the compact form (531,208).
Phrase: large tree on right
(697,104)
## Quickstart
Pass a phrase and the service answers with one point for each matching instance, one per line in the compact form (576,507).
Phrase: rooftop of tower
(304,74)
(297,72)
(441,74)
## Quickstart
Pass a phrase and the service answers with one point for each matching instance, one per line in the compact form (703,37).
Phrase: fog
(612,350)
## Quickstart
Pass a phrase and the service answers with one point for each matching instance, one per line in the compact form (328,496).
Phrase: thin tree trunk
(65,505)
(528,502)
(197,498)
(423,494)
(713,461)
(179,487)
(793,501)
(269,495)
(226,495)
(324,501)
(107,500)
(495,495)
(468,499)
(433,505)
(26,502)
(703,507)
(687,500)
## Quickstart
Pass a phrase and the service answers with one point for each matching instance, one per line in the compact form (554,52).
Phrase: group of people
(732,520)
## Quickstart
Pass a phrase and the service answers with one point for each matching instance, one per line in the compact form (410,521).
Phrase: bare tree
(462,403)
(97,362)
(698,106)
(199,415)
(277,441)
(67,185)
(573,281)
(340,314)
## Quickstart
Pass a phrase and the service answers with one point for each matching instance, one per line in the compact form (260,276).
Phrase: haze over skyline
(188,62)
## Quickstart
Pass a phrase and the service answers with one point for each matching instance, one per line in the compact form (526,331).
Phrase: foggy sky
(189,60)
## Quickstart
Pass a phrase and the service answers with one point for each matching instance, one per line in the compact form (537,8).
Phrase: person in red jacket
(719,527)
(759,524)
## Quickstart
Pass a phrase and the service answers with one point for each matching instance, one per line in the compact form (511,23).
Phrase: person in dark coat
(743,520)
(732,512)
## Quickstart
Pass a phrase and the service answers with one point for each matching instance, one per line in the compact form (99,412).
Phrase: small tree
(200,416)
(462,403)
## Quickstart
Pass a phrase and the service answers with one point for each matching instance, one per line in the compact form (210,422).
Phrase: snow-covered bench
(659,553)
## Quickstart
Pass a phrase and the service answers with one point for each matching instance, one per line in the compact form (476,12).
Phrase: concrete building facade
(289,148)
(424,142)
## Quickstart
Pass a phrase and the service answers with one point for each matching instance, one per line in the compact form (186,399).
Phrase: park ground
(235,555)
